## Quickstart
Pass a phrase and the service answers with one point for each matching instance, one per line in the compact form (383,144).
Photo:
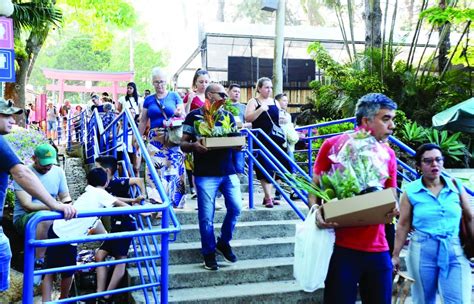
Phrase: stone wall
(75,176)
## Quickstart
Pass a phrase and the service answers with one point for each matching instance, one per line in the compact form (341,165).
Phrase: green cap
(7,108)
(46,154)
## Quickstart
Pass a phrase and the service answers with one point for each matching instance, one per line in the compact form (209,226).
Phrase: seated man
(54,180)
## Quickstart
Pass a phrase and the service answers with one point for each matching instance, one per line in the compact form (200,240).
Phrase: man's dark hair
(234,85)
(97,177)
(370,104)
(107,162)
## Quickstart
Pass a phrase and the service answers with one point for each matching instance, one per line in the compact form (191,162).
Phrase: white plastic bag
(313,250)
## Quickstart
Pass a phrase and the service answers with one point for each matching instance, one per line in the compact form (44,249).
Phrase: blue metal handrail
(252,136)
(31,243)
(97,141)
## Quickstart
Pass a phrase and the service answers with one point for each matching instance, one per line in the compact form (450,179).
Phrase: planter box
(223,142)
(361,210)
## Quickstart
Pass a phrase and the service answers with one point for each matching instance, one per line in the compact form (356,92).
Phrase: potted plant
(216,129)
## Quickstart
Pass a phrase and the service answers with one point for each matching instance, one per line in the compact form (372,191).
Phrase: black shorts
(60,256)
(119,247)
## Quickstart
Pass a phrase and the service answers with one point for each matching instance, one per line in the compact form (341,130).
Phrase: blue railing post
(28,267)
(310,152)
(164,256)
(250,173)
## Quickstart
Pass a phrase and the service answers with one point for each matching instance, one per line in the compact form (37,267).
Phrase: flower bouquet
(216,128)
(351,187)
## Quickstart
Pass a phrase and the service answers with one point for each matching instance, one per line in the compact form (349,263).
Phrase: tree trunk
(278,51)
(445,44)
(373,22)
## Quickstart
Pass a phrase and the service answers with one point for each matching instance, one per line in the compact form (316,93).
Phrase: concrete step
(243,230)
(260,213)
(247,249)
(241,272)
(263,292)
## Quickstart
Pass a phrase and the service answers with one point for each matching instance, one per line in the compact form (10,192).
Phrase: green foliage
(78,54)
(98,18)
(145,59)
(10,198)
(450,144)
(412,133)
(438,16)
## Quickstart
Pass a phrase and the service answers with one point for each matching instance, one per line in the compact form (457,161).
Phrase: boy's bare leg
(66,287)
(101,271)
(117,275)
(47,287)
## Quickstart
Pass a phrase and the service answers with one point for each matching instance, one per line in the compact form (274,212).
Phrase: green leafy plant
(412,133)
(211,118)
(10,198)
(449,144)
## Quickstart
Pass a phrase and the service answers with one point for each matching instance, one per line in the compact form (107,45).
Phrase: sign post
(7,53)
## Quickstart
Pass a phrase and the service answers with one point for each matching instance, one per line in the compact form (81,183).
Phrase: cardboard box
(223,142)
(361,210)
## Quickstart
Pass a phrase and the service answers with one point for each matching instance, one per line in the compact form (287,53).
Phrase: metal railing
(146,247)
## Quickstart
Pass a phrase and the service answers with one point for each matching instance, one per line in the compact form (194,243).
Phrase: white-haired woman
(166,155)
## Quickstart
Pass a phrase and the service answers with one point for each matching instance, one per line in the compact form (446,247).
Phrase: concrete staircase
(263,242)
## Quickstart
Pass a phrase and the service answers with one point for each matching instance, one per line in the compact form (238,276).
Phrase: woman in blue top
(432,206)
(166,156)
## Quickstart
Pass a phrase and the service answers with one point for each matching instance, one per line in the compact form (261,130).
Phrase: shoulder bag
(173,129)
(276,133)
(467,240)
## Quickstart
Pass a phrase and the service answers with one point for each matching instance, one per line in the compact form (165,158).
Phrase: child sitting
(120,188)
(65,255)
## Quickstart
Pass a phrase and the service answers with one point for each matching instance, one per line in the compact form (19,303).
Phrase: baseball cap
(7,108)
(46,154)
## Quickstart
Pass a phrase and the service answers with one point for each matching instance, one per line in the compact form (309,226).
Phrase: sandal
(268,202)
(275,201)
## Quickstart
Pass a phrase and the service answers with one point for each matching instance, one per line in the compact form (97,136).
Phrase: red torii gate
(62,75)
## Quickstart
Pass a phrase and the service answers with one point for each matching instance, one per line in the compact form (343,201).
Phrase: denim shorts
(52,125)
(5,258)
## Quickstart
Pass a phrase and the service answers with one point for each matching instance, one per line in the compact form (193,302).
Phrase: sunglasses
(221,94)
(429,161)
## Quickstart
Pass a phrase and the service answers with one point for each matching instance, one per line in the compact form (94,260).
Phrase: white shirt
(133,106)
(93,198)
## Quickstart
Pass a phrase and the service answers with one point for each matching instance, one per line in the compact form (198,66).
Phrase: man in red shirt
(361,254)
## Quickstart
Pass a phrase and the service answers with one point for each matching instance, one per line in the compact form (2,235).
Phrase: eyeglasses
(221,94)
(429,161)
(160,82)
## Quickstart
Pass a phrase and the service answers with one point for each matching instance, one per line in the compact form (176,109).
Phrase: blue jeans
(206,188)
(423,263)
(5,258)
(348,268)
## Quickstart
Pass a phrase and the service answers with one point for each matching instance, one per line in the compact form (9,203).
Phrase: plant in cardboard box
(359,166)
(215,123)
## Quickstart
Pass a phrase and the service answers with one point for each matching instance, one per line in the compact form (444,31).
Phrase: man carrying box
(361,254)
(213,170)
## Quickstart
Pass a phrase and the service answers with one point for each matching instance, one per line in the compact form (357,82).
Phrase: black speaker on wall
(297,73)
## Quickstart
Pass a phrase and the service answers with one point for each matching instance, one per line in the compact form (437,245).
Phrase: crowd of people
(364,257)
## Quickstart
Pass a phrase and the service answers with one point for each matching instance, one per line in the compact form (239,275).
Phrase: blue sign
(7,66)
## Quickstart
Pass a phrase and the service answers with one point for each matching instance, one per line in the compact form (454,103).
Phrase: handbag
(173,127)
(467,240)
(313,250)
(276,133)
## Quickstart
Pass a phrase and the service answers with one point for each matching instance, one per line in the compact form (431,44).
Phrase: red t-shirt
(196,103)
(363,238)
